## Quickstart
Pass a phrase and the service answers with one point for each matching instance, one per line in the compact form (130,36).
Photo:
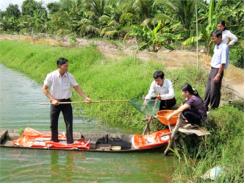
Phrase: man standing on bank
(219,62)
(58,88)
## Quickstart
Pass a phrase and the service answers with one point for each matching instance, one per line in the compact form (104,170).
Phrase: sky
(5,3)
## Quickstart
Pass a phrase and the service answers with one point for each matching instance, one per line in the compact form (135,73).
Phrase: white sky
(5,3)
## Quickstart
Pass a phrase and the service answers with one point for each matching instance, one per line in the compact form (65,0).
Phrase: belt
(64,100)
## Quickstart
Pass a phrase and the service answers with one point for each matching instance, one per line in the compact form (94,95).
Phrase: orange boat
(153,140)
(33,139)
(162,117)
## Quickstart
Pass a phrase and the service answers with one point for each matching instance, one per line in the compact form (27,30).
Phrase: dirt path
(233,80)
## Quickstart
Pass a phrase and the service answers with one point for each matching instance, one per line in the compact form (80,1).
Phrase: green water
(19,101)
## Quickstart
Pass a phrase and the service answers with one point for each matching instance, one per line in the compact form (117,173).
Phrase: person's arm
(218,75)
(170,93)
(150,94)
(47,83)
(81,93)
(233,38)
(224,61)
(179,110)
(78,89)
(50,97)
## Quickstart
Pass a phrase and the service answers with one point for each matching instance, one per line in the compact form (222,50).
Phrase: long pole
(80,102)
(197,44)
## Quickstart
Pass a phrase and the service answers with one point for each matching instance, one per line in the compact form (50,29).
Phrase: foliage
(155,23)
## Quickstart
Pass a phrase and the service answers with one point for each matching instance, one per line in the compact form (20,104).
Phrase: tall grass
(101,78)
(224,148)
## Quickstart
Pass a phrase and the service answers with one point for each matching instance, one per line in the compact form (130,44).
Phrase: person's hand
(87,100)
(169,117)
(54,102)
(158,97)
(217,78)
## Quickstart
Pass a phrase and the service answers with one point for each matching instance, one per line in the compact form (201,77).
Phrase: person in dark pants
(219,62)
(58,88)
(161,89)
(193,110)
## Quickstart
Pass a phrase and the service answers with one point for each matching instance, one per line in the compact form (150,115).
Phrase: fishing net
(150,109)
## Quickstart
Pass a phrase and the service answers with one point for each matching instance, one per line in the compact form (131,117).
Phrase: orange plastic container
(162,117)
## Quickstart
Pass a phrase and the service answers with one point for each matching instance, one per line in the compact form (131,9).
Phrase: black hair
(192,91)
(222,22)
(158,74)
(61,61)
(217,33)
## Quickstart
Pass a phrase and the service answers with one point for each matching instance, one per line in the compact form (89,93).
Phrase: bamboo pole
(84,102)
(173,133)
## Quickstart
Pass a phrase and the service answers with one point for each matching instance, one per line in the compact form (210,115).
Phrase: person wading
(58,88)
(219,62)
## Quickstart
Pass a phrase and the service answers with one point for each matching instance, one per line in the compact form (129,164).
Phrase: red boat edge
(91,142)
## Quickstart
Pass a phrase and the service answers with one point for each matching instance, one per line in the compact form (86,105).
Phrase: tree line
(154,23)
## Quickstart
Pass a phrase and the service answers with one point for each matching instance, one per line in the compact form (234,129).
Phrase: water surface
(20,99)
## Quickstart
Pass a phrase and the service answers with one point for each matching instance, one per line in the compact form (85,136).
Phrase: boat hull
(113,143)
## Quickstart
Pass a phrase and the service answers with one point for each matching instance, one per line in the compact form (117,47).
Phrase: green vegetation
(154,23)
(225,148)
(101,78)
(127,78)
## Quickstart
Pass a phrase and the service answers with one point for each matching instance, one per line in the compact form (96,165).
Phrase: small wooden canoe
(33,139)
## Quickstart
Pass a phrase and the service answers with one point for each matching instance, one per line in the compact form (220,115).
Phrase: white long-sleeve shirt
(220,56)
(228,38)
(166,91)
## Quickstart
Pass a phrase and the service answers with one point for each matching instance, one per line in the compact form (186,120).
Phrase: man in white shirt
(58,88)
(227,36)
(161,89)
(219,62)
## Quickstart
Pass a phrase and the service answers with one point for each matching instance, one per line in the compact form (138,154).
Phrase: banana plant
(155,38)
(211,16)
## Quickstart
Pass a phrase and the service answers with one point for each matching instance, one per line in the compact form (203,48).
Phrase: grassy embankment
(126,78)
(101,78)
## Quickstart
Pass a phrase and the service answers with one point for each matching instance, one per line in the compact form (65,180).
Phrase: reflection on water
(64,166)
(19,102)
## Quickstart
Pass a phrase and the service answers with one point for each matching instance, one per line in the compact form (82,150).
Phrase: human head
(221,25)
(188,91)
(158,77)
(62,64)
(216,36)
